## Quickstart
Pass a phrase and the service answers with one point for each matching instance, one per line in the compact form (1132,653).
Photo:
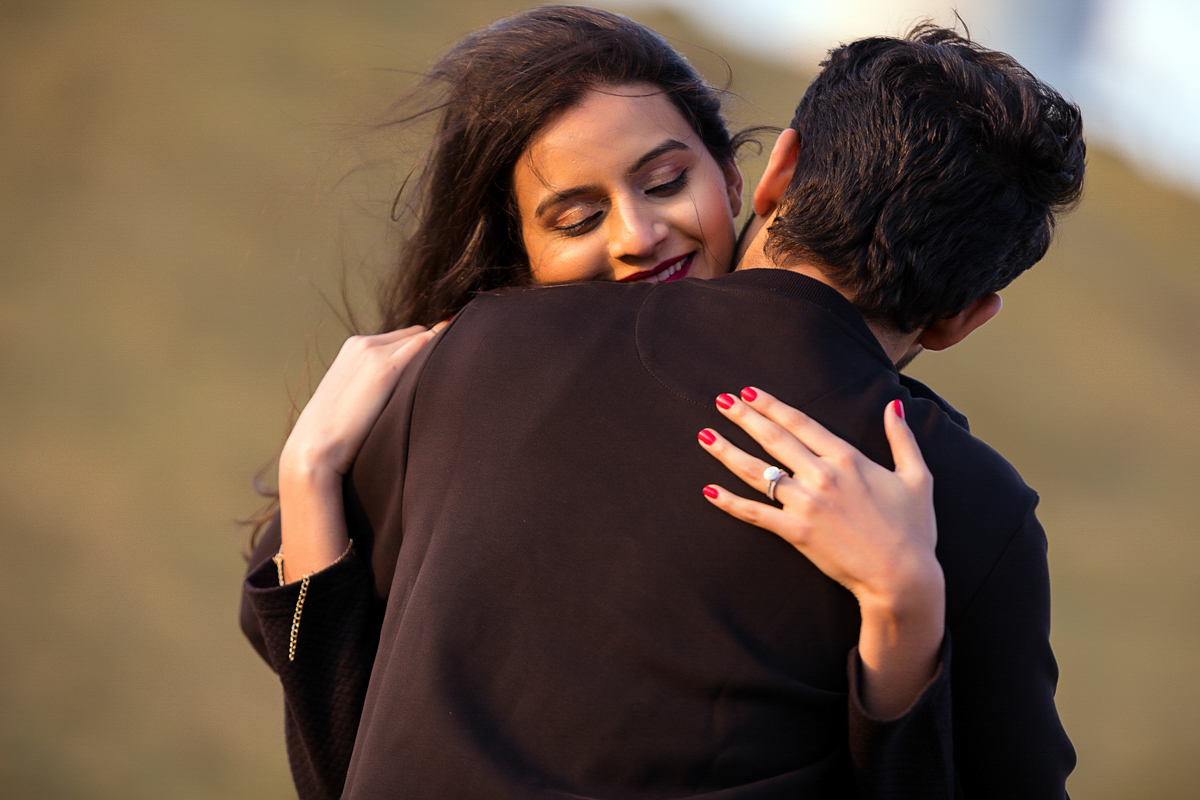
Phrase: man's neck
(901,348)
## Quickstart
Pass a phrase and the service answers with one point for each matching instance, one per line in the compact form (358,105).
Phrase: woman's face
(621,188)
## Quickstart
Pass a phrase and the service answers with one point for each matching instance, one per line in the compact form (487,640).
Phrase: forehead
(609,129)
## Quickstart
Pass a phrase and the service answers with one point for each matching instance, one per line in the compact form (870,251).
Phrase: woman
(579,147)
(494,93)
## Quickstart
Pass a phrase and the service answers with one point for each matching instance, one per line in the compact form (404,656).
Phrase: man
(563,621)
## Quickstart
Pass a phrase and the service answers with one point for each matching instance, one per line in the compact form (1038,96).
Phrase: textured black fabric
(912,755)
(568,617)
(325,685)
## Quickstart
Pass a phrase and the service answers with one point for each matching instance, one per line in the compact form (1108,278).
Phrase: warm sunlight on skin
(621,188)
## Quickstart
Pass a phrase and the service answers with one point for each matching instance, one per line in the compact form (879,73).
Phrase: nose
(635,231)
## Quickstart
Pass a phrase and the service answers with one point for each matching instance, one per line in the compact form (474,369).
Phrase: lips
(671,270)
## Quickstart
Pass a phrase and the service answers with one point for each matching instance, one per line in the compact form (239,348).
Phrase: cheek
(715,219)
(562,260)
(543,253)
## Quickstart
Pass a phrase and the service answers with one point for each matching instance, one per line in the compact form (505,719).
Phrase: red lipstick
(671,270)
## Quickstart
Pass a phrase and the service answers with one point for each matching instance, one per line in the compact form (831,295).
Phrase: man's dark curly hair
(929,175)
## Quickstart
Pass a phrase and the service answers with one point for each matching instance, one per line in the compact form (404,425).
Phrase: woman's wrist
(901,634)
(303,466)
(312,526)
(911,624)
(911,591)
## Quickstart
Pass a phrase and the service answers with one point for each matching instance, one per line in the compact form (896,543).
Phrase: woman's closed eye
(578,220)
(670,184)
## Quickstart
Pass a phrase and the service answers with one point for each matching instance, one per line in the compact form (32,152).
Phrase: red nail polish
(710,491)
(707,436)
(899,408)
(749,394)
(725,400)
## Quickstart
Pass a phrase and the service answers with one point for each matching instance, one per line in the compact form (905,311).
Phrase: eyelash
(661,190)
(576,228)
(671,186)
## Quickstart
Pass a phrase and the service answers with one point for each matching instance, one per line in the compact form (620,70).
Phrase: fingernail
(749,394)
(725,400)
(899,408)
(710,491)
(707,436)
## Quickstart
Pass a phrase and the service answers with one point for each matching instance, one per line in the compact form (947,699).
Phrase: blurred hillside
(178,187)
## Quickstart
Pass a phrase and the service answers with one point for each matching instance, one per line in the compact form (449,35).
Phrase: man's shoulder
(964,462)
(964,465)
(918,389)
(550,304)
(545,303)
(982,502)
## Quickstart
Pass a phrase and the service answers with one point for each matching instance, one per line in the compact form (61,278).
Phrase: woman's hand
(869,528)
(348,400)
(327,437)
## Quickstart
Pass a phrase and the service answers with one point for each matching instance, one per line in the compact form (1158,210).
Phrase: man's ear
(952,330)
(733,187)
(778,174)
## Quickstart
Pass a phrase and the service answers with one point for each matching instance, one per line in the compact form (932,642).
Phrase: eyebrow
(669,146)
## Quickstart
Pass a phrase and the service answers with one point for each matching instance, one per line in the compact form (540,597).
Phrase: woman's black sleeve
(325,679)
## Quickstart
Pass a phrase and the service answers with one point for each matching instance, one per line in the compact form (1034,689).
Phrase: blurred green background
(179,185)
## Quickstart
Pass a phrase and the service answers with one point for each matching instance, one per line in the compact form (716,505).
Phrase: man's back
(568,617)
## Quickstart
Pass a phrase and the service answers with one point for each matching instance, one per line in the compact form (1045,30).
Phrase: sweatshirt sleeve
(912,755)
(986,726)
(325,680)
(1008,739)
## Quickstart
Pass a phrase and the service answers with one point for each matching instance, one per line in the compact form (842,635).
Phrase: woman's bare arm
(325,440)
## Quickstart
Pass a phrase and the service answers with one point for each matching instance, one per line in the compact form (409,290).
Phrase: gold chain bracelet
(296,618)
(278,559)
